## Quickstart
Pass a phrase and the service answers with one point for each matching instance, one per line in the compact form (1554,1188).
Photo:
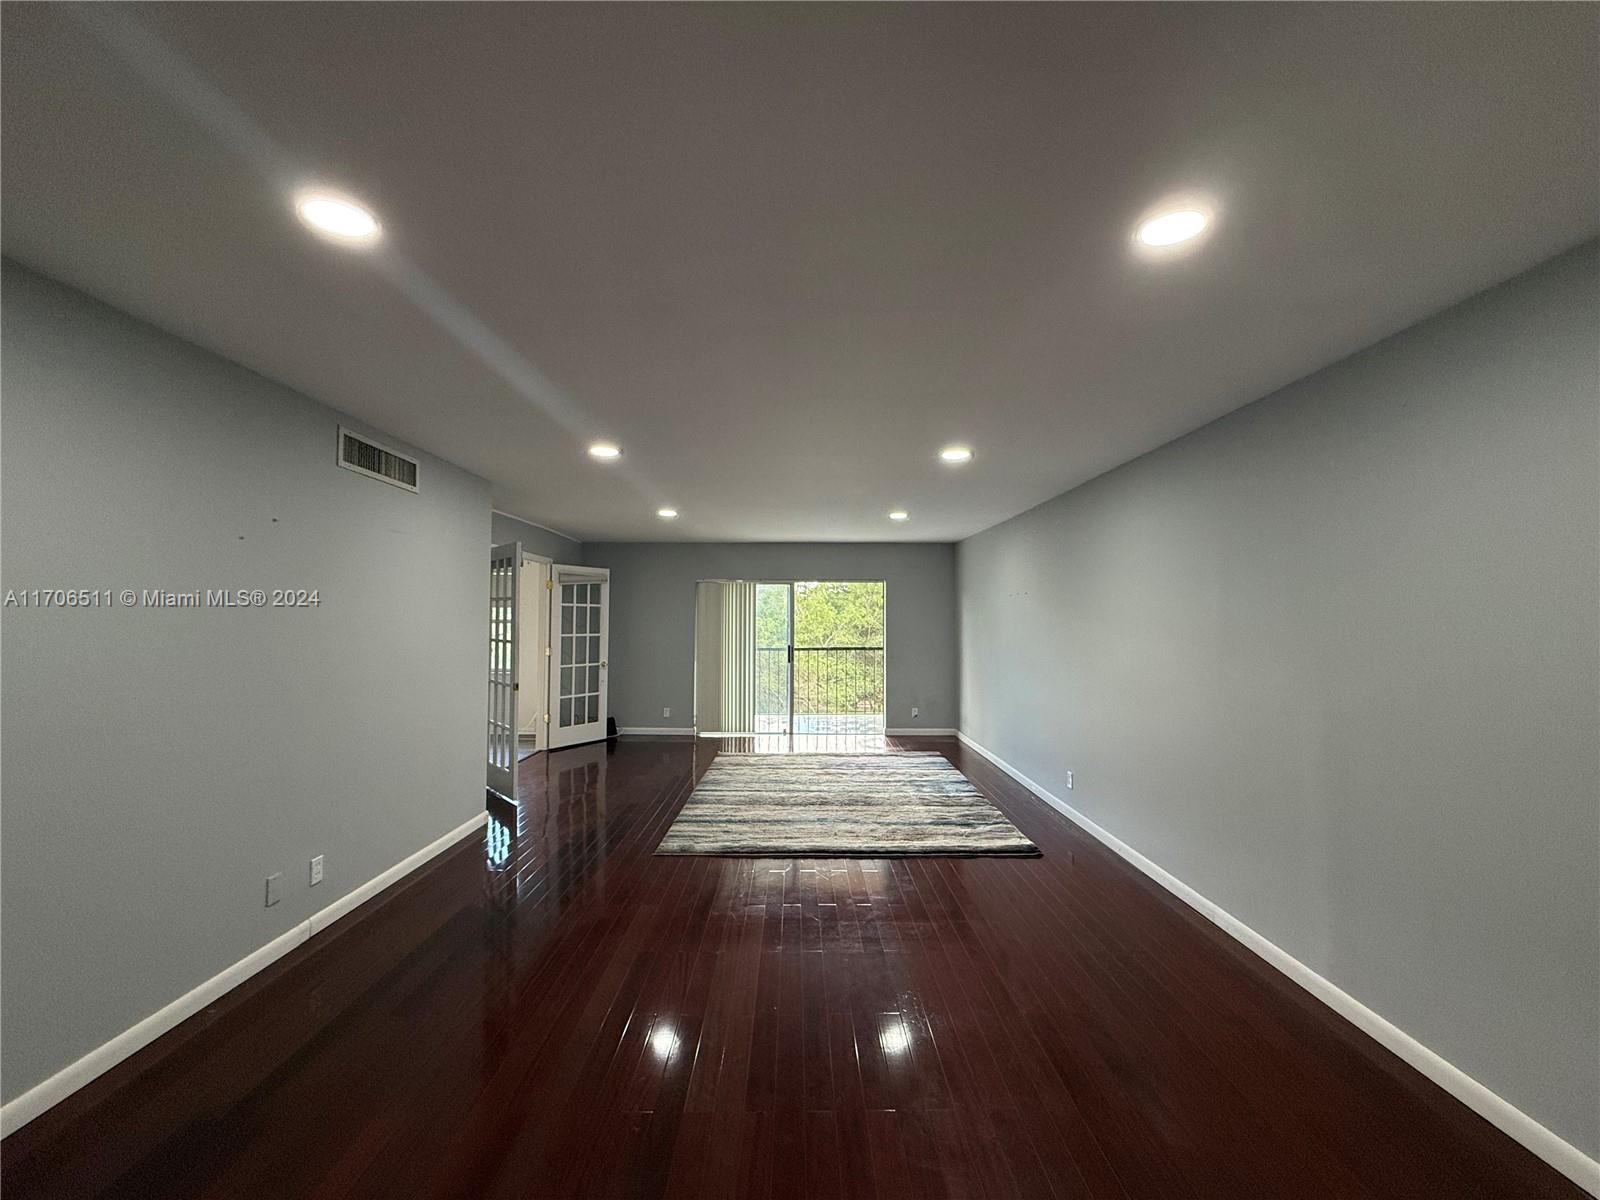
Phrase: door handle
(602,663)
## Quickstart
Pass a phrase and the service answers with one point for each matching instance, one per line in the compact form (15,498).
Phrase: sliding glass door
(819,657)
(774,657)
(778,658)
(837,682)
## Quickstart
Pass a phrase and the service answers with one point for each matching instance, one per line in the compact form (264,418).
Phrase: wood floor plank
(582,1018)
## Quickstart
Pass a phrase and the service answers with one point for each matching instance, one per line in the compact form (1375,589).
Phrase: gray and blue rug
(839,806)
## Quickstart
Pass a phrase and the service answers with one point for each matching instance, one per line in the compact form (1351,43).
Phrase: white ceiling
(783,254)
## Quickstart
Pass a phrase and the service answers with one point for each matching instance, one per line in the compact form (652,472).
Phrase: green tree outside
(828,615)
(825,614)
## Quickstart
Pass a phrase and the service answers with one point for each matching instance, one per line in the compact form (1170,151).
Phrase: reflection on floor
(801,743)
(859,723)
(585,1019)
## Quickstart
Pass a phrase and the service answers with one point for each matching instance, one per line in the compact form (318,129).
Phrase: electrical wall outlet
(272,888)
(1069,781)
(316,870)
(915,712)
(666,712)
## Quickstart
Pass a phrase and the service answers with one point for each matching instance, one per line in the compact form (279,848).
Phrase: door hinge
(547,718)
(516,687)
(547,651)
(549,585)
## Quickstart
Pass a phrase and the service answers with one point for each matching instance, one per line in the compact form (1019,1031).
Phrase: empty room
(892,601)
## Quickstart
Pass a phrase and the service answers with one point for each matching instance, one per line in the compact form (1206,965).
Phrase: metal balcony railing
(836,689)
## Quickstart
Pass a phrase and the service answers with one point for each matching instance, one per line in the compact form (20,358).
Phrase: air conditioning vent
(366,457)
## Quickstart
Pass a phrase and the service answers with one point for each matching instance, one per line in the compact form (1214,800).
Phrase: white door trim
(533,670)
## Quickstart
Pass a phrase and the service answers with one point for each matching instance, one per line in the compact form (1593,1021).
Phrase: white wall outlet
(666,712)
(316,870)
(272,888)
(915,712)
(1069,781)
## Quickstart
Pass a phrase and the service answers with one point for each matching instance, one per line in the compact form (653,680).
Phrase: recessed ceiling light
(337,217)
(605,451)
(667,514)
(899,514)
(1172,228)
(956,454)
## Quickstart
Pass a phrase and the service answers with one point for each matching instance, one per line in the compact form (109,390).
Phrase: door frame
(533,679)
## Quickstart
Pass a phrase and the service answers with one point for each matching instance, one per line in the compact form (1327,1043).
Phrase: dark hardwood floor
(579,1018)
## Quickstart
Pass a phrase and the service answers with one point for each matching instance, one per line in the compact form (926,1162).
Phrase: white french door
(505,567)
(579,645)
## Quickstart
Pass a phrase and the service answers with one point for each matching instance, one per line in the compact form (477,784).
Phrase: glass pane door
(837,678)
(578,663)
(774,656)
(503,570)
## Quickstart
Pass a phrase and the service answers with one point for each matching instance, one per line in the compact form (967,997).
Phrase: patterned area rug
(839,806)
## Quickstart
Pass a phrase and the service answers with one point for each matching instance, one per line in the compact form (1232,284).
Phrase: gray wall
(535,539)
(1333,659)
(652,617)
(158,765)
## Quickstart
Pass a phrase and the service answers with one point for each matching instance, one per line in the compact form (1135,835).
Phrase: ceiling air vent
(365,457)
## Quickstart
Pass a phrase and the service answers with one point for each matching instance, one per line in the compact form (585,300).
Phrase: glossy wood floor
(577,1018)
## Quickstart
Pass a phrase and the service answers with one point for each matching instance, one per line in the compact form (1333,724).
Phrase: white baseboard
(63,1083)
(656,730)
(919,732)
(1555,1150)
